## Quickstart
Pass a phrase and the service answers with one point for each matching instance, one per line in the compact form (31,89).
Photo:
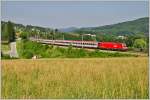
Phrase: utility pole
(82,40)
(63,37)
(95,38)
(46,35)
(38,34)
(53,36)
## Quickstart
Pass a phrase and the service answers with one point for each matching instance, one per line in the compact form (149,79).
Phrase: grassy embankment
(75,78)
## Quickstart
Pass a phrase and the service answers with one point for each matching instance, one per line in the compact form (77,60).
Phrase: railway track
(139,54)
(124,52)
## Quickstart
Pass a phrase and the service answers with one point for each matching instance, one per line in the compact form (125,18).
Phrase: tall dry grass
(75,78)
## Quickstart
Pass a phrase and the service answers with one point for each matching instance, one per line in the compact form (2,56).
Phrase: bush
(5,56)
(140,44)
(27,54)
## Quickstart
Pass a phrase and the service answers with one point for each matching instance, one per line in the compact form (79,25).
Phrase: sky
(63,14)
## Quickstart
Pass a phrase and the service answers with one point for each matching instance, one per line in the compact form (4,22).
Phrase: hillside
(140,25)
(131,30)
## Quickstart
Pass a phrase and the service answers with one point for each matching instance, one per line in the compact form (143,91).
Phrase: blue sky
(72,14)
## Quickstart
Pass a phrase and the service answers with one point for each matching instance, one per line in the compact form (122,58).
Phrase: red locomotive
(85,44)
(112,46)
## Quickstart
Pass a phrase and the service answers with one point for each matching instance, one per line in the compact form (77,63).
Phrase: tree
(56,30)
(52,34)
(130,40)
(140,44)
(5,35)
(8,32)
(11,31)
(24,35)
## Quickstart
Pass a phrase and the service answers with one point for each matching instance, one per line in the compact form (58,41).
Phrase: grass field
(75,78)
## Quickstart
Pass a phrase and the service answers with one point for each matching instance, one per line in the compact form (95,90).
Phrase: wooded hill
(140,25)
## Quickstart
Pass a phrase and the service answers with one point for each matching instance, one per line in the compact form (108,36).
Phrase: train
(85,44)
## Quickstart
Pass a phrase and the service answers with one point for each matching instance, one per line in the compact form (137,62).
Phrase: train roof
(77,41)
(111,42)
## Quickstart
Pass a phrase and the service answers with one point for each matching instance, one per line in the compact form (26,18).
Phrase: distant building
(33,29)
(93,35)
(121,37)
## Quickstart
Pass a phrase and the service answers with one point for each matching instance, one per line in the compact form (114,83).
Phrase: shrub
(140,44)
(27,54)
(5,56)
